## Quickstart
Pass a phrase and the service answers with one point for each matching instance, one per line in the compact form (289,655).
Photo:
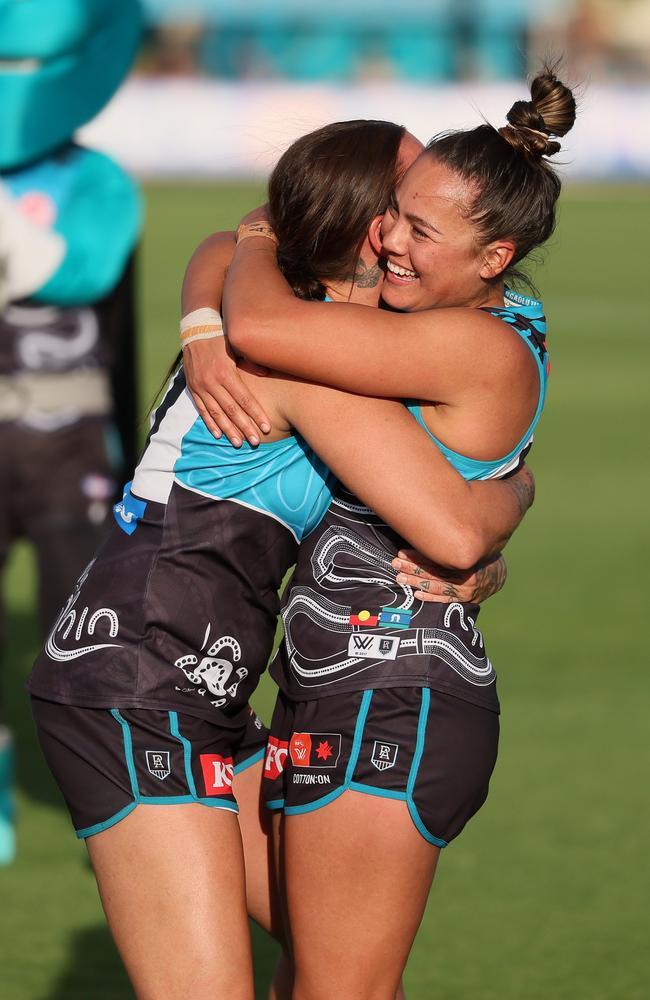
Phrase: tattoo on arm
(364,276)
(490,579)
(523,486)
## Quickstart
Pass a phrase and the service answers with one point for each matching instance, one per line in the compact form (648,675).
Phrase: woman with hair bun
(386,727)
(140,695)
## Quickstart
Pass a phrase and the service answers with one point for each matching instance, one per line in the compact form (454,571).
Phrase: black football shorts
(108,761)
(433,751)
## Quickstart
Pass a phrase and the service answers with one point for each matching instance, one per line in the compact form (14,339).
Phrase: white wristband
(201,324)
(201,317)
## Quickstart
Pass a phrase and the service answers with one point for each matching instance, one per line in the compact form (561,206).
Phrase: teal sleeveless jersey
(283,480)
(526,316)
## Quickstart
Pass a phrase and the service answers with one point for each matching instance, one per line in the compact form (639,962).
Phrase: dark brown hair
(324,193)
(516,187)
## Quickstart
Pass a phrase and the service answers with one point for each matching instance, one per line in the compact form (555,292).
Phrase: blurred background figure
(426,40)
(70,219)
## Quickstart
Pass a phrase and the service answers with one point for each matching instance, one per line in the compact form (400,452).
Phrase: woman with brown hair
(385,732)
(140,695)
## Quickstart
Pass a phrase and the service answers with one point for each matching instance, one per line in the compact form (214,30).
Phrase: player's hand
(222,398)
(434,583)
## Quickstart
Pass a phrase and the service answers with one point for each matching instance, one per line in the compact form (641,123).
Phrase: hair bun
(551,111)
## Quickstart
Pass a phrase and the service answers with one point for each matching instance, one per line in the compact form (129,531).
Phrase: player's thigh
(373,784)
(358,875)
(151,792)
(172,884)
(255,826)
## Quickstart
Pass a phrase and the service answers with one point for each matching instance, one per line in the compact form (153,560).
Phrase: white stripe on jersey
(154,475)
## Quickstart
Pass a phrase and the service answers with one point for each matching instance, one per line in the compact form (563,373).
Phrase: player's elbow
(245,332)
(463,545)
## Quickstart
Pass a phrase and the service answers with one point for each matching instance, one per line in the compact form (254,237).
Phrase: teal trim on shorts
(352,763)
(89,831)
(415,766)
(155,800)
(187,752)
(128,752)
(249,761)
(382,793)
(358,734)
(178,800)
(275,804)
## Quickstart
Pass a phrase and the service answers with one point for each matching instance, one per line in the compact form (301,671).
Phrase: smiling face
(429,242)
(409,150)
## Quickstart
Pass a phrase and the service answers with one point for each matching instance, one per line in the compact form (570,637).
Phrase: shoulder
(476,330)
(483,345)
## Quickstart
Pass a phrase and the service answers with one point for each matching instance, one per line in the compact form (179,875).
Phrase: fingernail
(236,443)
(266,428)
(401,578)
(253,440)
(396,563)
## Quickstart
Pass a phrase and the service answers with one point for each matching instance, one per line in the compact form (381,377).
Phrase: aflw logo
(373,647)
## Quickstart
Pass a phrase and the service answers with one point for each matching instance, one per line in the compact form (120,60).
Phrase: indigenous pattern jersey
(349,625)
(179,608)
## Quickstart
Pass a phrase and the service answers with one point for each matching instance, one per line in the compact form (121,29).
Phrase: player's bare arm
(433,353)
(410,483)
(222,399)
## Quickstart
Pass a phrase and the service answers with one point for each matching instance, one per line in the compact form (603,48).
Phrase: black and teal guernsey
(349,625)
(179,608)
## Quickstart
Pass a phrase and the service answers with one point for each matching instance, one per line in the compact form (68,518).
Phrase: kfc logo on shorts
(158,763)
(217,773)
(276,757)
(315,749)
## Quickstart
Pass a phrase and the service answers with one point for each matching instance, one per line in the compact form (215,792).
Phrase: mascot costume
(69,223)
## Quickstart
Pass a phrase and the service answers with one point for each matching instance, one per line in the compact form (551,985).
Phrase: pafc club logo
(158,763)
(384,755)
(315,749)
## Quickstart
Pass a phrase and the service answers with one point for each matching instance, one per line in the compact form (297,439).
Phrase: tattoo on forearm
(490,579)
(364,276)
(523,487)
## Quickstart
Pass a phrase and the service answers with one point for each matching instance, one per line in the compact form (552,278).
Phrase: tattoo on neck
(364,276)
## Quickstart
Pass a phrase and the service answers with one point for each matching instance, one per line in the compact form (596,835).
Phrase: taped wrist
(201,324)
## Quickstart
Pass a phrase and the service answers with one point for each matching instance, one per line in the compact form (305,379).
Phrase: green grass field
(543,897)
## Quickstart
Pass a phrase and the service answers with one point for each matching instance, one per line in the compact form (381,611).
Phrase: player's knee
(362,984)
(208,984)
